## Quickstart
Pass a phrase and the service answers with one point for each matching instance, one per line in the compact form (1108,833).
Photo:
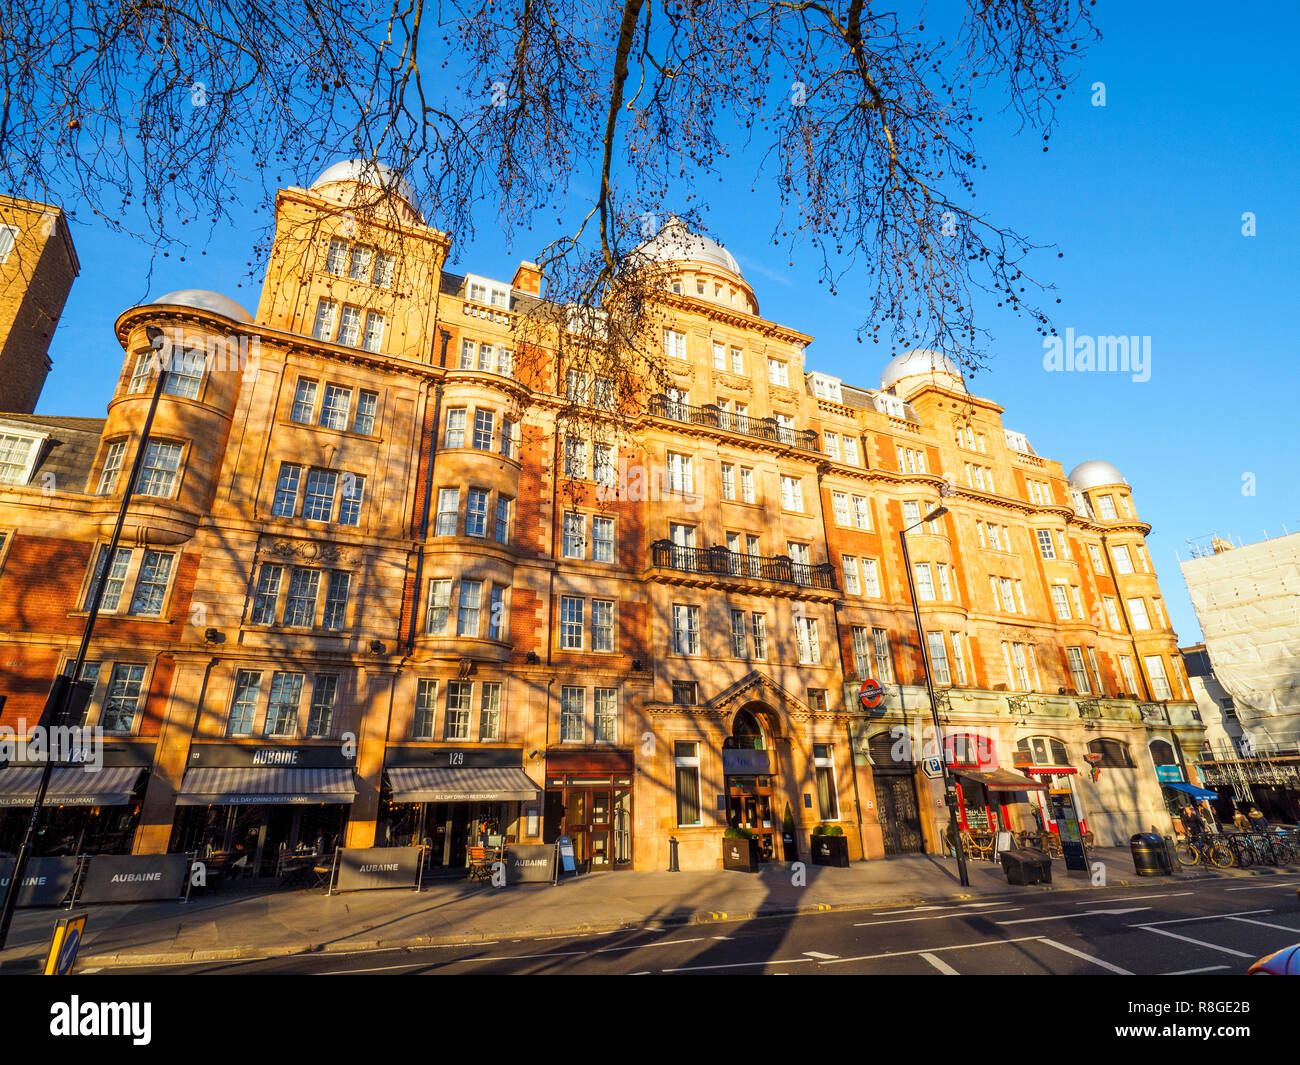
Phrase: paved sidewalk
(269,924)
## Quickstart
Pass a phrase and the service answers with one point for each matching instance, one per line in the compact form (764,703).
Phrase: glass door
(622,827)
(599,829)
(575,823)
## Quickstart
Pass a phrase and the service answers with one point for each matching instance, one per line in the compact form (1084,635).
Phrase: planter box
(830,850)
(740,854)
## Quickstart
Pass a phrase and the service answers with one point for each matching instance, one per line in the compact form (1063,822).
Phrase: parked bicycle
(1260,848)
(1204,850)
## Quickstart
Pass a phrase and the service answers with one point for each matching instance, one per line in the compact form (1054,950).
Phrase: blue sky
(1144,196)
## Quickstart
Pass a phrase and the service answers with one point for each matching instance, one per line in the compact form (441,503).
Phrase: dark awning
(1002,780)
(271,785)
(1190,789)
(70,786)
(463,784)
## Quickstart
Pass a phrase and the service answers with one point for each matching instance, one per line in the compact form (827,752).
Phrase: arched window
(1162,753)
(1114,753)
(887,749)
(967,750)
(747,732)
(1042,750)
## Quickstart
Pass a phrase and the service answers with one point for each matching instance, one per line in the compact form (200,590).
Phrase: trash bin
(1027,866)
(1150,856)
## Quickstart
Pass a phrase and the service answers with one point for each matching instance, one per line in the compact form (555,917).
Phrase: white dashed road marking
(1072,916)
(1194,942)
(1086,957)
(939,964)
(1265,924)
(936,917)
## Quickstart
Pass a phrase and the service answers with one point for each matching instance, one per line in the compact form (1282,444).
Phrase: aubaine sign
(135,878)
(366,868)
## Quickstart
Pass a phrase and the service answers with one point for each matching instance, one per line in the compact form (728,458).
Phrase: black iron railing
(664,554)
(717,418)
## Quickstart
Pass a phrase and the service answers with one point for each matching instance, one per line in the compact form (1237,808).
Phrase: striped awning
(462,784)
(70,786)
(263,784)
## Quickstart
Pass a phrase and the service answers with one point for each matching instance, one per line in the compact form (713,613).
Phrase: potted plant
(739,850)
(830,846)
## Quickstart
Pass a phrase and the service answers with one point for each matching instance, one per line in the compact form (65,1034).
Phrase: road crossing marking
(1195,942)
(908,953)
(1086,957)
(1072,916)
(741,965)
(939,964)
(1265,924)
(1209,917)
(819,955)
(937,917)
(1135,898)
(661,943)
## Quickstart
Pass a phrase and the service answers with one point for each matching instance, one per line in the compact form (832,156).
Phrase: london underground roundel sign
(871,695)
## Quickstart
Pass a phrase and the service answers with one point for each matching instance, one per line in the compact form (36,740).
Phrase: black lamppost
(57,702)
(949,796)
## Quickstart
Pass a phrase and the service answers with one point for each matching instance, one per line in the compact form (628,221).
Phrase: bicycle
(1285,847)
(1243,853)
(1202,850)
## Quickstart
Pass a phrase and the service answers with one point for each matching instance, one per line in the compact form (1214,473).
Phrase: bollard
(672,855)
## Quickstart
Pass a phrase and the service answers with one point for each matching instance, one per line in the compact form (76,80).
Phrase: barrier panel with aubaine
(370,868)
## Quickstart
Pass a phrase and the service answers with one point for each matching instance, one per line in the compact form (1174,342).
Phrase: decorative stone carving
(311,551)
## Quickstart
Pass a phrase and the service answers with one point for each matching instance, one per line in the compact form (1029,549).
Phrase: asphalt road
(1157,928)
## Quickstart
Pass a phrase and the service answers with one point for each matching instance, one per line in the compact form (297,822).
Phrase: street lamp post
(56,703)
(948,794)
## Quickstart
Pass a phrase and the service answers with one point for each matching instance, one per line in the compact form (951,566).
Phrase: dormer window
(827,388)
(483,290)
(18,453)
(889,404)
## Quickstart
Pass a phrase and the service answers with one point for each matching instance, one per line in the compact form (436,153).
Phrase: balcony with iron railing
(715,417)
(718,561)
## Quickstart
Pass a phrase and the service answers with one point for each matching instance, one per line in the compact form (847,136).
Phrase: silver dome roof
(920,362)
(368,172)
(1094,474)
(204,300)
(675,242)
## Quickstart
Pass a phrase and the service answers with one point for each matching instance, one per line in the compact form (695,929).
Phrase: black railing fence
(664,554)
(717,418)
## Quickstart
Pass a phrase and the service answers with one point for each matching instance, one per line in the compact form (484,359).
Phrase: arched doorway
(747,768)
(894,774)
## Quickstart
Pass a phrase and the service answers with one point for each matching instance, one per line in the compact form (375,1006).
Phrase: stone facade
(365,533)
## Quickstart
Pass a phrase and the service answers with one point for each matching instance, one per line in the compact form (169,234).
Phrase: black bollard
(672,855)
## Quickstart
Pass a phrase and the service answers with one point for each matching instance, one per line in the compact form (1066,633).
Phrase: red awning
(1001,780)
(1047,770)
